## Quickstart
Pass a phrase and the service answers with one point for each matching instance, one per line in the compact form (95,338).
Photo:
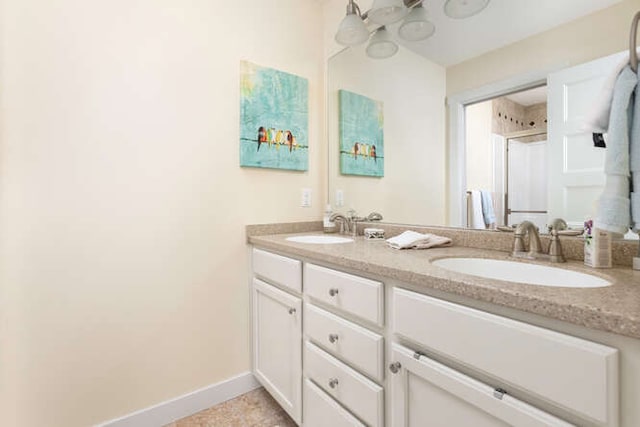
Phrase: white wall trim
(456,104)
(188,404)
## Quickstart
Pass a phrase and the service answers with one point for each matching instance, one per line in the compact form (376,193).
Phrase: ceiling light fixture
(387,11)
(352,30)
(460,9)
(416,25)
(381,46)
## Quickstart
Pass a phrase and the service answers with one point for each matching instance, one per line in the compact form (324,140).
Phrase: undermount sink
(320,239)
(519,272)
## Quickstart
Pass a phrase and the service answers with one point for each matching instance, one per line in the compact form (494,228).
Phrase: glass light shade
(352,31)
(416,25)
(460,9)
(387,11)
(381,46)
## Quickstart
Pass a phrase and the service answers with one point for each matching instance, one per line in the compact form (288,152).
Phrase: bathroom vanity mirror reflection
(418,185)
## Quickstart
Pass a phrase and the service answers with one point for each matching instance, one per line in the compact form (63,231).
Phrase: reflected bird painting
(274,119)
(361,135)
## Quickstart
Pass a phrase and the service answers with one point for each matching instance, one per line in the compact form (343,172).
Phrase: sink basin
(319,239)
(513,271)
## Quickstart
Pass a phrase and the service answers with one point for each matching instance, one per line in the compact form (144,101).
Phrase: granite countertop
(614,308)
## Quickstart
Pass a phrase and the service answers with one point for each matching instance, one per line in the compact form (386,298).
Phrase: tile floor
(254,409)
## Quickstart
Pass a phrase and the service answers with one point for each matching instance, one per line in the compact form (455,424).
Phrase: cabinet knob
(333,382)
(333,292)
(292,311)
(333,338)
(395,367)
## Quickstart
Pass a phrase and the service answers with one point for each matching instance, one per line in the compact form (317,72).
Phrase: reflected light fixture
(352,30)
(381,46)
(416,25)
(387,11)
(460,9)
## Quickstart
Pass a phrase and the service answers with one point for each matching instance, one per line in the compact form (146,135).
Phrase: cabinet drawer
(352,343)
(576,374)
(356,295)
(320,410)
(360,395)
(278,269)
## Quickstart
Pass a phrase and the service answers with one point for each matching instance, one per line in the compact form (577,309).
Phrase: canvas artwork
(274,119)
(361,135)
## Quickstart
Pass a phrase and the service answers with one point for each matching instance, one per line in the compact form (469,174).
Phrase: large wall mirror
(417,187)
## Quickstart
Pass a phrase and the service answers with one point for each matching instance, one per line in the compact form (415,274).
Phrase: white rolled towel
(414,240)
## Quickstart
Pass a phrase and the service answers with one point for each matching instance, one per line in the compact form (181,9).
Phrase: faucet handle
(555,248)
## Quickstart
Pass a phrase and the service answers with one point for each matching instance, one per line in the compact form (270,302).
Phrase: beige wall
(593,36)
(123,264)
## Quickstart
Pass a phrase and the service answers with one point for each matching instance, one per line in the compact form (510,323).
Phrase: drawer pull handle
(499,393)
(333,338)
(395,367)
(333,292)
(292,311)
(333,382)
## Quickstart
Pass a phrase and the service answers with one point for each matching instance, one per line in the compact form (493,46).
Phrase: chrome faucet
(343,220)
(535,247)
(349,223)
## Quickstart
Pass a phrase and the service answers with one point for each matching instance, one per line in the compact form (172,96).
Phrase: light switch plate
(306,198)
(339,198)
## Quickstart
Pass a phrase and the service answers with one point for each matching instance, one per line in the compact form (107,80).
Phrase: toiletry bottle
(597,248)
(328,225)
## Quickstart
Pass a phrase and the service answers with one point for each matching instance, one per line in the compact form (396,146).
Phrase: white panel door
(576,167)
(277,345)
(428,393)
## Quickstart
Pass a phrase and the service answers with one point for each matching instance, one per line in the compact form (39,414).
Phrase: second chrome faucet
(554,254)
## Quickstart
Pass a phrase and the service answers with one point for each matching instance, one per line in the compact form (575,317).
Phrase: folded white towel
(476,218)
(413,240)
(597,119)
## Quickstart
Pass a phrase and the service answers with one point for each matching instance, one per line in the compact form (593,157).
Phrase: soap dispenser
(328,225)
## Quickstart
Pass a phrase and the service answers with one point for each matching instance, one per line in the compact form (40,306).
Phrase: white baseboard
(188,404)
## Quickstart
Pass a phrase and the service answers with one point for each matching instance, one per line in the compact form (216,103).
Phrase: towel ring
(633,55)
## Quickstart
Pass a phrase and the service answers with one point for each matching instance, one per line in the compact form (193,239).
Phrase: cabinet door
(425,392)
(277,341)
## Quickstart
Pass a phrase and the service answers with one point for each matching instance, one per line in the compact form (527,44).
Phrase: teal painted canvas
(361,135)
(274,119)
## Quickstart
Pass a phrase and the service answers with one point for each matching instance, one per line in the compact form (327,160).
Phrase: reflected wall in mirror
(420,172)
(411,91)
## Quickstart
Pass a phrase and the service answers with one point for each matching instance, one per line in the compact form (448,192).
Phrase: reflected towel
(487,208)
(414,240)
(476,218)
(613,206)
(597,120)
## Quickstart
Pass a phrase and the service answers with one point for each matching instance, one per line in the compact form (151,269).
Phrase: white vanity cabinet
(277,329)
(321,337)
